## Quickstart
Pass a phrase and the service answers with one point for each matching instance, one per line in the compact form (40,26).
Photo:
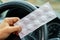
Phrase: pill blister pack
(35,19)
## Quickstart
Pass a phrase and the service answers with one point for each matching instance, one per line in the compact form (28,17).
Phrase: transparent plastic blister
(35,19)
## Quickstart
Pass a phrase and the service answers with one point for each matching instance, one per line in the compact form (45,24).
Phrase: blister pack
(35,19)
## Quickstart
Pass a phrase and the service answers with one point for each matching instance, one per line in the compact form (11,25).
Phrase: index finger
(14,19)
(11,20)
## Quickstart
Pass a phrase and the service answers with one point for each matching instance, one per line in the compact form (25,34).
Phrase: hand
(7,27)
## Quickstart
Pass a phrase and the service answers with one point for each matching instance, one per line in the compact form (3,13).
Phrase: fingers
(14,29)
(11,20)
(5,32)
(3,25)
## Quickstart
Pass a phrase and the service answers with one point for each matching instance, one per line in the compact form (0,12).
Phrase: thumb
(14,28)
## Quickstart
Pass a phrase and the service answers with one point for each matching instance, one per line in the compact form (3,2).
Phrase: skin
(7,27)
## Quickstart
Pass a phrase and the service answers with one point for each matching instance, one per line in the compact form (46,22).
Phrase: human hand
(7,27)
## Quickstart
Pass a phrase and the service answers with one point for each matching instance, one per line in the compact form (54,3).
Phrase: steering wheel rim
(11,5)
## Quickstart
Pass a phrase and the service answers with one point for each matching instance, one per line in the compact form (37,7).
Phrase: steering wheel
(21,9)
